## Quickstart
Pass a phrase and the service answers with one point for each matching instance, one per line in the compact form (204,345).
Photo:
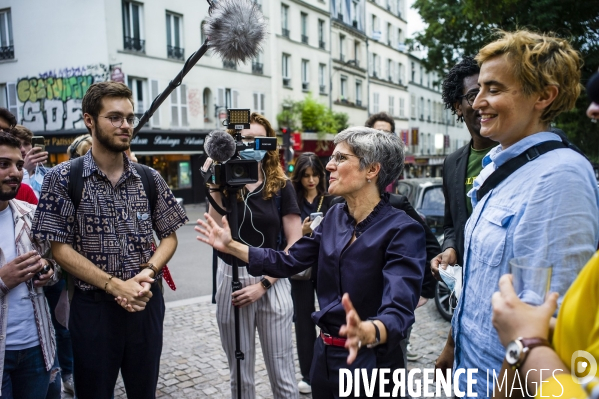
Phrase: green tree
(461,27)
(311,115)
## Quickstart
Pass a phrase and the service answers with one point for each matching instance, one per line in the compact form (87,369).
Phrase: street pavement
(193,363)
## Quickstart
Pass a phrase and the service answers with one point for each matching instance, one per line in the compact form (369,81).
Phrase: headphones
(75,144)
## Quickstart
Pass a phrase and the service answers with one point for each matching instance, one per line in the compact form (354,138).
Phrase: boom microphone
(593,88)
(220,146)
(235,29)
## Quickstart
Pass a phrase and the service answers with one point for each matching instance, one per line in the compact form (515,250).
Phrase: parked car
(426,196)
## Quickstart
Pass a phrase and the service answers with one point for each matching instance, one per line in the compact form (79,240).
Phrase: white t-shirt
(21,331)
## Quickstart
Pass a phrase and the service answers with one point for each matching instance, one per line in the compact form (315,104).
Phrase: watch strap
(377,335)
(527,345)
(265,283)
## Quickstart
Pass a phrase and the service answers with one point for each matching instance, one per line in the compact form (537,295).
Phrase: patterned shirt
(112,226)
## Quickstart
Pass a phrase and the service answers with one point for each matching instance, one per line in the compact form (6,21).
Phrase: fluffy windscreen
(219,145)
(235,29)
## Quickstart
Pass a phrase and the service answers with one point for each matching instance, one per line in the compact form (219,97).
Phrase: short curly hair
(381,116)
(453,84)
(537,61)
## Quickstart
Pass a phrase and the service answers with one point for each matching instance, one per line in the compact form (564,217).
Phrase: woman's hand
(217,237)
(352,330)
(247,295)
(513,318)
(306,229)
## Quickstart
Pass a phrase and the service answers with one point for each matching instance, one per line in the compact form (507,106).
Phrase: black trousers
(302,292)
(106,338)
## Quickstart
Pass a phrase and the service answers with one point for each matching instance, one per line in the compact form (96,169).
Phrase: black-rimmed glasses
(118,120)
(339,157)
(470,97)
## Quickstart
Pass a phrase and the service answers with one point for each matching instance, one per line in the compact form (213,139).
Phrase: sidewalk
(194,364)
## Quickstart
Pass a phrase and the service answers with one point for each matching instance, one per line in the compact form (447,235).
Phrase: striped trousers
(271,315)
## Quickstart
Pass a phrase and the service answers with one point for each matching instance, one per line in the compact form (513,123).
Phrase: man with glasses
(105,243)
(460,168)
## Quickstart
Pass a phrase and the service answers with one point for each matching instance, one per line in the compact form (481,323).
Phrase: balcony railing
(287,82)
(321,44)
(285,32)
(257,68)
(340,16)
(7,52)
(134,44)
(305,86)
(323,89)
(177,53)
(354,23)
(359,103)
(229,65)
(305,39)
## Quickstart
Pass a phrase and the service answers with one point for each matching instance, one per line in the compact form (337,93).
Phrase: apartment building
(387,59)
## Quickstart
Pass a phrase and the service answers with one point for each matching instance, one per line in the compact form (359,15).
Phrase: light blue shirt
(547,209)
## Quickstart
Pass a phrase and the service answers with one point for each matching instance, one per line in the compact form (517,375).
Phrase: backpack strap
(502,172)
(147,179)
(281,238)
(75,186)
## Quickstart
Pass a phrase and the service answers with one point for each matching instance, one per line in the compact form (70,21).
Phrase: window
(375,103)
(174,29)
(375,63)
(179,107)
(399,8)
(305,74)
(421,75)
(228,98)
(133,27)
(322,78)
(421,109)
(259,103)
(304,22)
(429,110)
(390,69)
(374,26)
(413,72)
(285,20)
(139,89)
(358,93)
(402,104)
(8,98)
(399,36)
(343,87)
(413,106)
(341,48)
(354,13)
(285,70)
(7,50)
(321,34)
(257,65)
(391,105)
(400,73)
(357,52)
(389,35)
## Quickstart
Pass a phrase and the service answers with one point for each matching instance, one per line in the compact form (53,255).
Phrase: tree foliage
(311,115)
(461,27)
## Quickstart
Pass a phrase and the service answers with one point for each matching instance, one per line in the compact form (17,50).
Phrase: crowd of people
(81,270)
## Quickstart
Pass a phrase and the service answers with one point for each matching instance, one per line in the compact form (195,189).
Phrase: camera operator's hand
(217,237)
(247,295)
(445,258)
(33,157)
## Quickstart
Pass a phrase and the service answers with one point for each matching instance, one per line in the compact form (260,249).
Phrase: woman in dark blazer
(309,181)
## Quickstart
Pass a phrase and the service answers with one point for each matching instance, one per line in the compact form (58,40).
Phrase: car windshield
(433,199)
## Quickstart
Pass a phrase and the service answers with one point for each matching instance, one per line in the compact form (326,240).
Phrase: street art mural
(52,100)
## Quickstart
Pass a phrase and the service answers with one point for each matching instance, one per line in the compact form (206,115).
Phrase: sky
(415,23)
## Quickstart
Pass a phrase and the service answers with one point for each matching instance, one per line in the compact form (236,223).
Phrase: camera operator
(264,302)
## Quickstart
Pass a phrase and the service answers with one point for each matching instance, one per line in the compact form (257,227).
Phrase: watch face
(513,352)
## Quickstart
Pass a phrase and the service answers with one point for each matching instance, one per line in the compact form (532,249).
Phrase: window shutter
(183,105)
(155,121)
(11,98)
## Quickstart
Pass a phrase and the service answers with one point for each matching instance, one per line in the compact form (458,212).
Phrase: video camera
(229,168)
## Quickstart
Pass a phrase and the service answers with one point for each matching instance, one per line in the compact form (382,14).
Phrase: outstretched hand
(351,330)
(214,235)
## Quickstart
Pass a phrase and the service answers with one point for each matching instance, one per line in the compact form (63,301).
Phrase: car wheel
(444,301)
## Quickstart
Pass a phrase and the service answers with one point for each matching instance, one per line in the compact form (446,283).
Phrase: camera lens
(239,171)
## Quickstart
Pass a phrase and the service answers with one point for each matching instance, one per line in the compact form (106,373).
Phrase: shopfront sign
(169,142)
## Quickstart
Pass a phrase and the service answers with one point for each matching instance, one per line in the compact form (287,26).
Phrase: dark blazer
(454,189)
(399,201)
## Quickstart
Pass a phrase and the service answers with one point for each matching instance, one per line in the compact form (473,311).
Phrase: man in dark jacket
(460,168)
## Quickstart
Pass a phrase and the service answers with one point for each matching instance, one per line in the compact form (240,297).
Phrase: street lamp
(348,62)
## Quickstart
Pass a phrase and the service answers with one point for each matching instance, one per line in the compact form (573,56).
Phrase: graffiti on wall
(52,100)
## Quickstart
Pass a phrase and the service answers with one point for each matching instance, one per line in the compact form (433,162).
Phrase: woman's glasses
(340,157)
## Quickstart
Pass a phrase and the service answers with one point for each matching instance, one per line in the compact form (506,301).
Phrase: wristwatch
(151,267)
(377,336)
(517,350)
(265,283)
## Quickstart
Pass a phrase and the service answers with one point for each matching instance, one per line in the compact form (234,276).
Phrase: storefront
(176,155)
